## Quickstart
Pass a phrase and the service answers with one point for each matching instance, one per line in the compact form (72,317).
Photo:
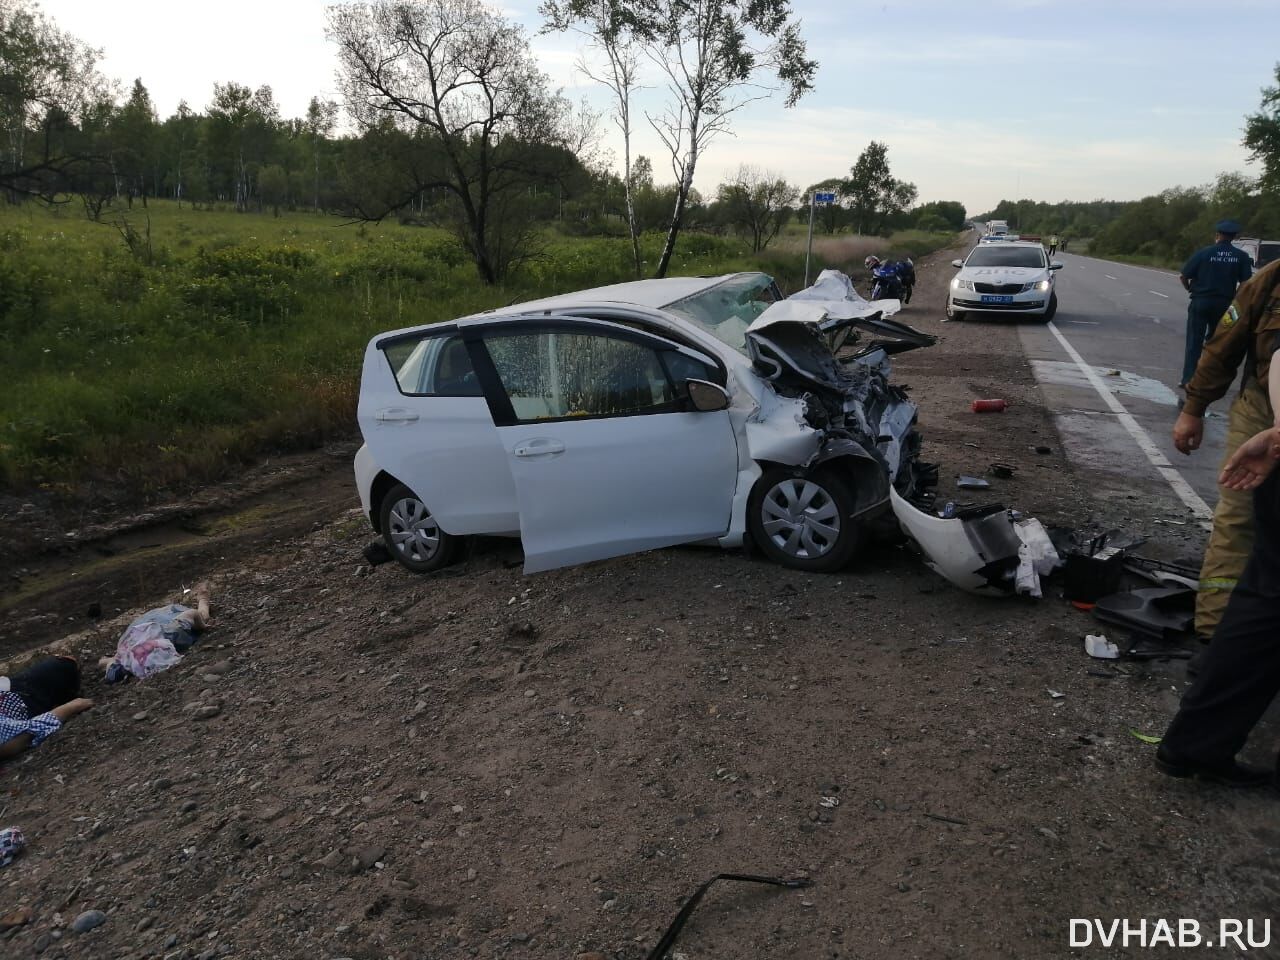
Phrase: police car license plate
(996,298)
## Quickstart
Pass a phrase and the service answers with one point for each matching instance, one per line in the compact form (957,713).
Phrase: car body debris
(981,550)
(1100,648)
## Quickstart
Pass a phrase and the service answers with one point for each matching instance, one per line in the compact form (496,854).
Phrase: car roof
(654,294)
(1012,243)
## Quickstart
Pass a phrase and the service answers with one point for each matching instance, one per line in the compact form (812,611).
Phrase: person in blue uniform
(1211,276)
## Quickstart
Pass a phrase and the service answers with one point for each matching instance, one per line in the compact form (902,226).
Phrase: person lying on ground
(174,623)
(37,702)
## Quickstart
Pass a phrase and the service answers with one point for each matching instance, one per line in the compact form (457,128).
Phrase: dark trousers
(48,684)
(1203,315)
(1241,674)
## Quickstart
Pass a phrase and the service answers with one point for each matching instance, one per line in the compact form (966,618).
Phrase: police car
(1013,276)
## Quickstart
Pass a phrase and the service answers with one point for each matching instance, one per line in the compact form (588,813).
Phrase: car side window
(551,375)
(433,366)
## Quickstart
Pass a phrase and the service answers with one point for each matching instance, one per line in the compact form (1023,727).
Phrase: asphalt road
(1109,366)
(1126,325)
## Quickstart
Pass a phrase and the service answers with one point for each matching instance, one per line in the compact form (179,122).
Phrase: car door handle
(540,447)
(396,415)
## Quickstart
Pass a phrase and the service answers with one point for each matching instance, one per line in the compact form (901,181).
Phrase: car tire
(804,520)
(953,313)
(1050,310)
(411,533)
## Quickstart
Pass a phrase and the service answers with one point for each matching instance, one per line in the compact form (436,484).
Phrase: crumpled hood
(803,333)
(816,311)
(835,290)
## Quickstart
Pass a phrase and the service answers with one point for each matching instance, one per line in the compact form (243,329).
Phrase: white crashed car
(1010,277)
(638,416)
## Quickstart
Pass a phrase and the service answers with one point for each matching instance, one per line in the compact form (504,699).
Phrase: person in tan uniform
(1241,674)
(1245,335)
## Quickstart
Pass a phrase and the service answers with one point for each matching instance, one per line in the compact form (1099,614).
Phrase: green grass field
(227,335)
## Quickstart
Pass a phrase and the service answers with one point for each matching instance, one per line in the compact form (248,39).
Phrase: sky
(1038,99)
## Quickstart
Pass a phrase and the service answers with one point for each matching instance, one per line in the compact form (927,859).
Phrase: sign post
(817,198)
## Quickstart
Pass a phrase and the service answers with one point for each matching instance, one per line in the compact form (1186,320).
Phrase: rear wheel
(953,313)
(804,520)
(411,533)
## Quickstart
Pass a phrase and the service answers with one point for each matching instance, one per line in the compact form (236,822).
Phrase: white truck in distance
(997,228)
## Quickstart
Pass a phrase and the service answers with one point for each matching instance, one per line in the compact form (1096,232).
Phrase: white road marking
(1159,294)
(1110,277)
(1148,446)
(1133,266)
(1087,323)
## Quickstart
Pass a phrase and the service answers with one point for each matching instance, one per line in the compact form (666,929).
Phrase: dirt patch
(61,577)
(486,764)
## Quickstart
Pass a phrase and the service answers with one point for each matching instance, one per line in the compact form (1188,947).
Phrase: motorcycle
(893,281)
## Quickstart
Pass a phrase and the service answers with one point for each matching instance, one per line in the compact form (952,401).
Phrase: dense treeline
(1166,228)
(1067,218)
(1162,228)
(452,123)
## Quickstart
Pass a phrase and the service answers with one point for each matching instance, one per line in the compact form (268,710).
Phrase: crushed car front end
(860,417)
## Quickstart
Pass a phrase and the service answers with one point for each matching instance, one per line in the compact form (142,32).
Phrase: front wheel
(411,533)
(876,292)
(1051,309)
(803,520)
(953,313)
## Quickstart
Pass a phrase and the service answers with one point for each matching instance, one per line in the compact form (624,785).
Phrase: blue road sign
(824,198)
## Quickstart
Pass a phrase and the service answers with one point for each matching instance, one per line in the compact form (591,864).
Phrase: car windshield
(727,309)
(993,256)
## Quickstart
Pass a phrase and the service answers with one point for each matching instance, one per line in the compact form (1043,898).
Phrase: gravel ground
(361,763)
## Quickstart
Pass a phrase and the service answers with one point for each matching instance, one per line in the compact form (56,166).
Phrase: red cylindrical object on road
(989,406)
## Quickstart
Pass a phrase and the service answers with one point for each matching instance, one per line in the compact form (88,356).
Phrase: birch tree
(321,117)
(716,57)
(609,26)
(48,78)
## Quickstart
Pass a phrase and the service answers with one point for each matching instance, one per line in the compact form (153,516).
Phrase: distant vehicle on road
(1010,277)
(1261,252)
(997,228)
